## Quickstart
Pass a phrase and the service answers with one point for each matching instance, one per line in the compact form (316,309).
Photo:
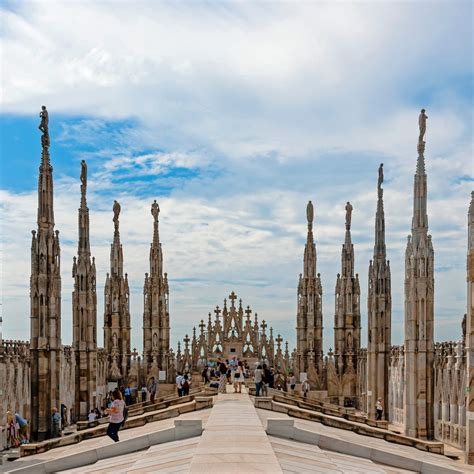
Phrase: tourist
(305,388)
(97,413)
(205,375)
(379,409)
(143,391)
(116,412)
(56,424)
(186,384)
(179,384)
(258,379)
(291,382)
(13,437)
(222,377)
(233,367)
(128,395)
(238,377)
(266,377)
(92,416)
(23,428)
(152,388)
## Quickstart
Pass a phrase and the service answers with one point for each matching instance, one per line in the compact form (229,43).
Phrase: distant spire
(83,245)
(155,211)
(420,216)
(379,247)
(45,180)
(349,208)
(471,224)
(116,255)
(310,247)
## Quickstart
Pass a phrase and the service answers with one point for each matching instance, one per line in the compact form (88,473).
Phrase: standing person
(258,379)
(292,382)
(179,384)
(205,375)
(238,377)
(143,391)
(116,412)
(56,423)
(265,380)
(152,388)
(186,383)
(305,388)
(233,367)
(13,439)
(379,409)
(222,377)
(128,395)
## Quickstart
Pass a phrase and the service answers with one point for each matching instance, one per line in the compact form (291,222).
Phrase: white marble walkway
(234,439)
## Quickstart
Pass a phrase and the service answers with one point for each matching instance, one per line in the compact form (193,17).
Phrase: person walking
(379,409)
(116,412)
(238,377)
(222,377)
(186,384)
(128,395)
(266,377)
(205,375)
(152,388)
(305,388)
(291,382)
(56,424)
(258,379)
(179,384)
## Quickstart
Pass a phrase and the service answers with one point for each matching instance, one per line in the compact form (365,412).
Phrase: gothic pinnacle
(310,214)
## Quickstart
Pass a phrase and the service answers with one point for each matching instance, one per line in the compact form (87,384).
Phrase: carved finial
(116,210)
(310,212)
(348,215)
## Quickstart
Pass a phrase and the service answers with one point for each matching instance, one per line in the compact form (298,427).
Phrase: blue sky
(233,115)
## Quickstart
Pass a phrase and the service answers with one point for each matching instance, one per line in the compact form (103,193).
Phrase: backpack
(125,415)
(185,384)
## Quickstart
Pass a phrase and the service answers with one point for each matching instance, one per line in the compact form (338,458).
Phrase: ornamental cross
(279,340)
(248,312)
(217,311)
(232,297)
(186,342)
(263,326)
(202,326)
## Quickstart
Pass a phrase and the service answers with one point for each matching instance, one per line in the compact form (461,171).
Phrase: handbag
(237,375)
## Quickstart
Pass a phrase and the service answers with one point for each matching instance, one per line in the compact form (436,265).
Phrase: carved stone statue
(43,126)
(348,214)
(83,173)
(379,184)
(310,212)
(155,210)
(116,210)
(422,124)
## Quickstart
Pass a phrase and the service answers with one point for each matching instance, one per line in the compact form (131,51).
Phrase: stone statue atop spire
(348,215)
(116,210)
(422,124)
(44,126)
(155,210)
(83,175)
(379,184)
(310,212)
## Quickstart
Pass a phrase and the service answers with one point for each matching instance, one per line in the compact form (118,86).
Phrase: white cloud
(270,105)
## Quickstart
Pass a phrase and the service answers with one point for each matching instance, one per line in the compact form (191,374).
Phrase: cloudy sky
(233,116)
